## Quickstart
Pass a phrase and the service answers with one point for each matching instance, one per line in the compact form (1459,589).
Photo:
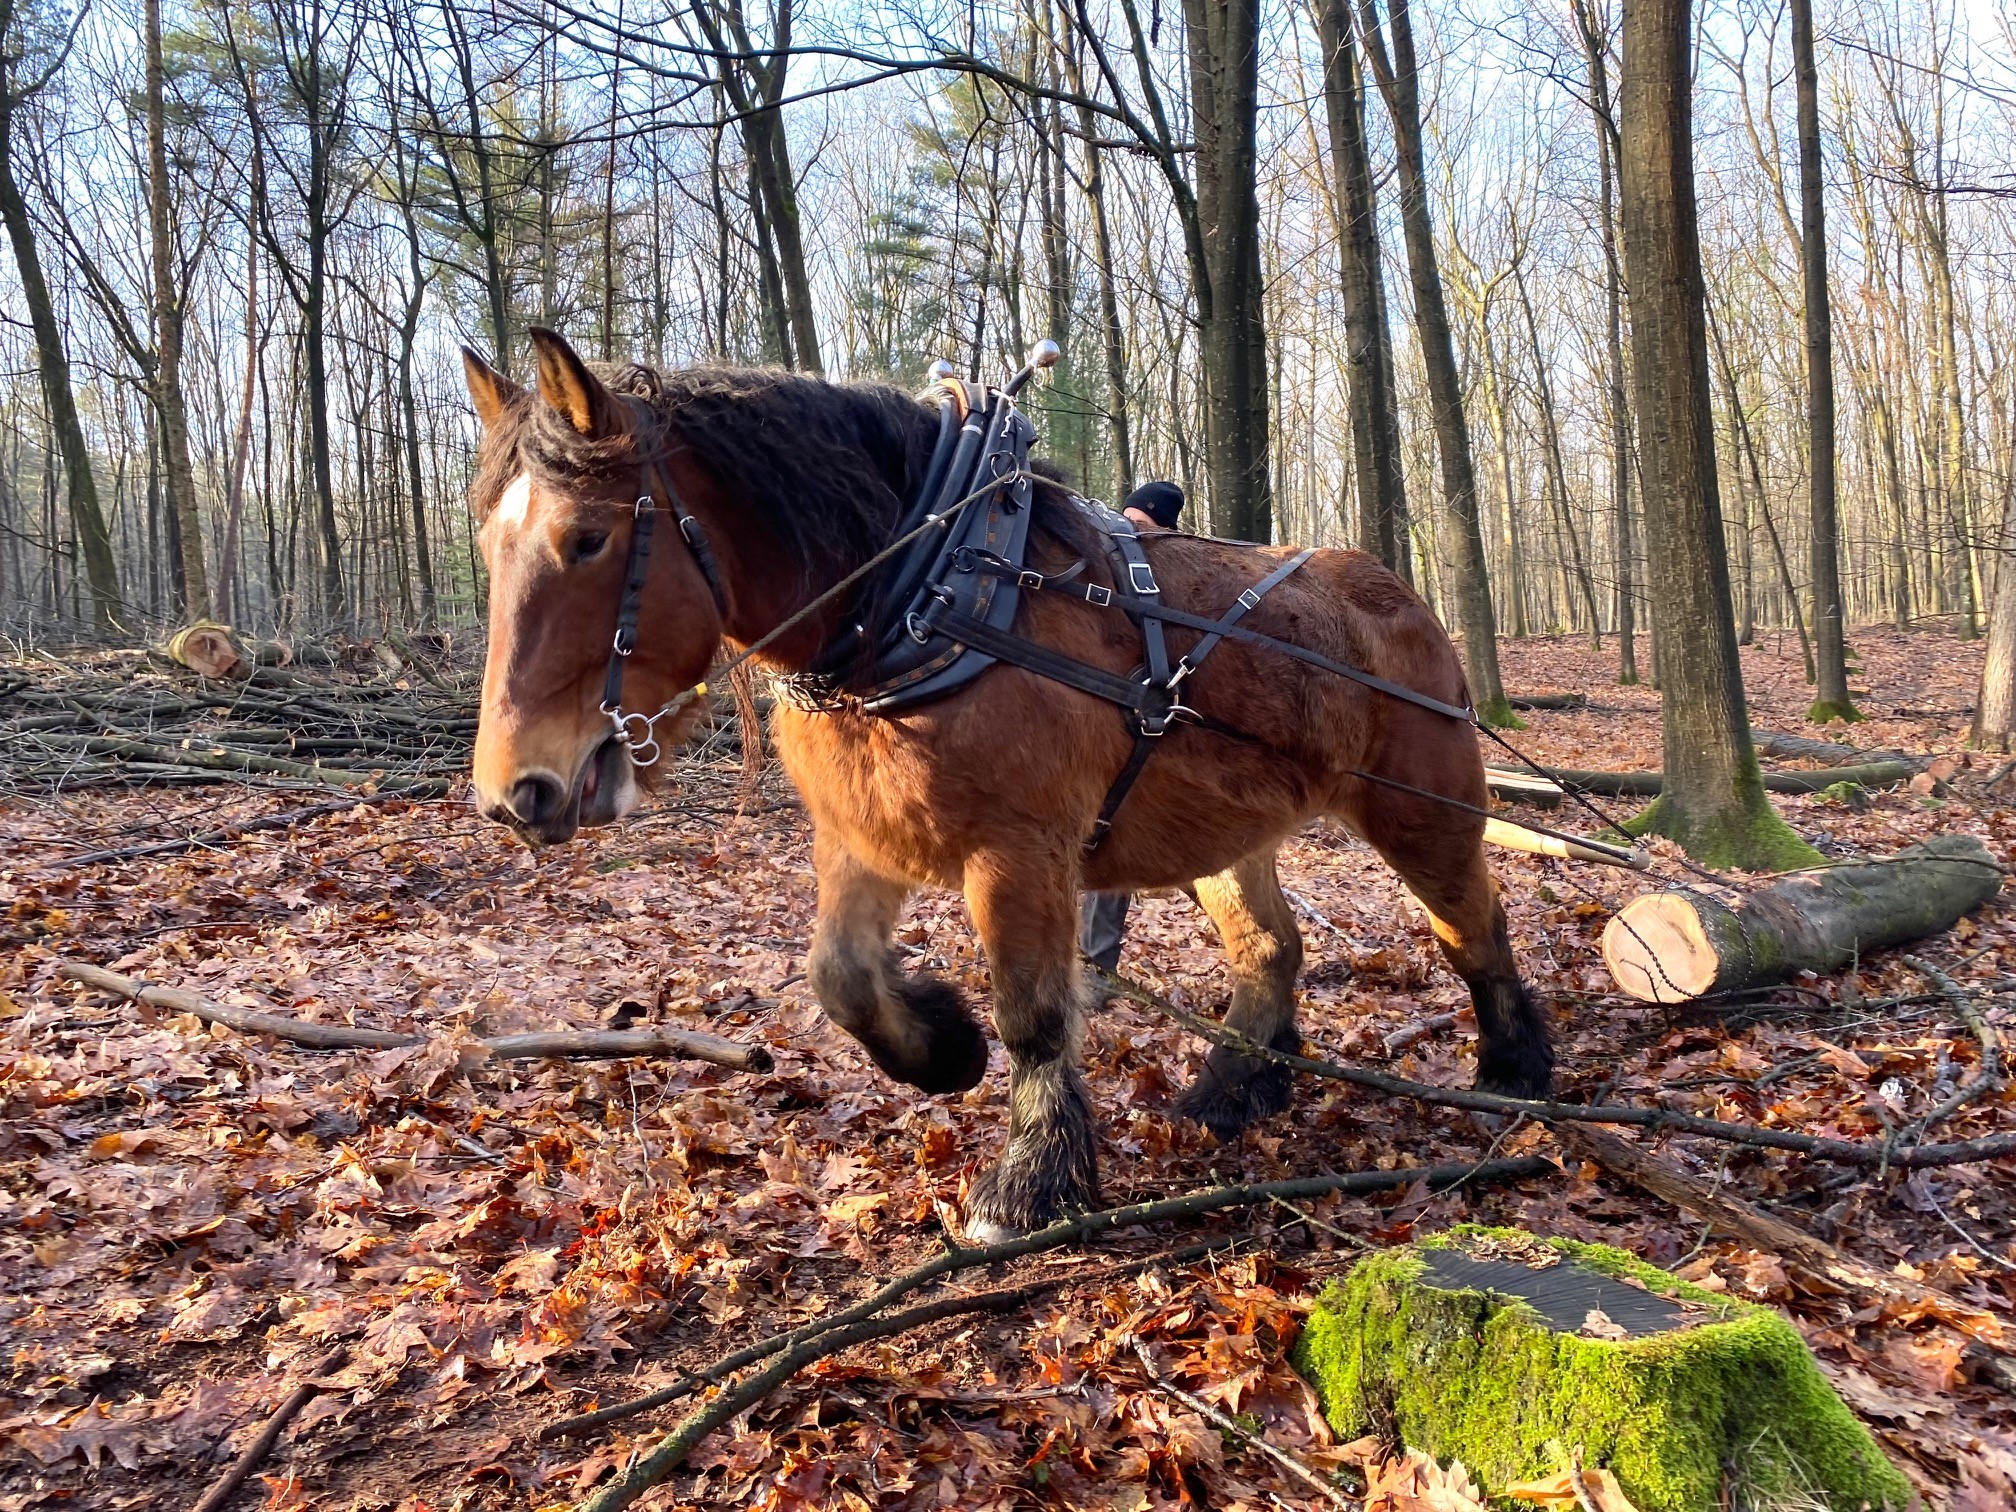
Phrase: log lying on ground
(1765,1231)
(572,1044)
(1875,774)
(1668,947)
(1548,700)
(1833,753)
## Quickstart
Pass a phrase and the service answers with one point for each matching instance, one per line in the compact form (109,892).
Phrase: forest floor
(189,1215)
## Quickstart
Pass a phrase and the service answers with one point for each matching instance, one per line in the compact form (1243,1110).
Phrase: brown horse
(992,789)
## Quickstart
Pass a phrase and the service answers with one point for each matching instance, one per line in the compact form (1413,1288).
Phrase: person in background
(1102,919)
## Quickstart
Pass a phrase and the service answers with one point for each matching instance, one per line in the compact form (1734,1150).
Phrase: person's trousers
(1102,928)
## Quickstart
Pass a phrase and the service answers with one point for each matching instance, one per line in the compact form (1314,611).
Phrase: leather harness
(943,609)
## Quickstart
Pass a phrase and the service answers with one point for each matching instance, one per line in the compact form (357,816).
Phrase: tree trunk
(1713,802)
(180,474)
(1595,47)
(87,519)
(1995,706)
(1557,472)
(1375,430)
(1399,82)
(241,442)
(1224,47)
(1668,947)
(1829,635)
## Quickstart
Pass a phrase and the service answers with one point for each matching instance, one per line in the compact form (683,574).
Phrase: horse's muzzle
(544,810)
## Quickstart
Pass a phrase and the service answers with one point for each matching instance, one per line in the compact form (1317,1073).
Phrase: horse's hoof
(1233,1092)
(981,1233)
(1508,1078)
(955,1058)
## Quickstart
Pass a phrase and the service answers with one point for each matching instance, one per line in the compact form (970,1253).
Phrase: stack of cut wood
(135,718)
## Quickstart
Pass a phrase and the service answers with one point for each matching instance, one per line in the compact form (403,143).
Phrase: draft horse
(781,485)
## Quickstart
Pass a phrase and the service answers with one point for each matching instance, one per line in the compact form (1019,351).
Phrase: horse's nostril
(536,799)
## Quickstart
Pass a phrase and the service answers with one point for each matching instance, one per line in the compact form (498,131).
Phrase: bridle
(637,731)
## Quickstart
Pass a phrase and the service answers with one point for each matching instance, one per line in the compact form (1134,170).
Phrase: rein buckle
(1141,577)
(1098,593)
(1029,578)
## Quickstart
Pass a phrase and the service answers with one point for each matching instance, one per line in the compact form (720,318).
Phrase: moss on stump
(1481,1345)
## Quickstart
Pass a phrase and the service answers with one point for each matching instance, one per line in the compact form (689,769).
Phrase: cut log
(1875,774)
(1668,947)
(1548,700)
(572,1044)
(1512,1353)
(207,649)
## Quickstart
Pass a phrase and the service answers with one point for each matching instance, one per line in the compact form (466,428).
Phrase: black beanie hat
(1161,502)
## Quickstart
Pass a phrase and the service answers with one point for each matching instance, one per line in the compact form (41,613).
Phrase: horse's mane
(828,466)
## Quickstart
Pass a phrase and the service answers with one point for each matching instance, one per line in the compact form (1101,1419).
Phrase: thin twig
(1841,1151)
(1056,1236)
(1253,1440)
(219,1495)
(1989,1078)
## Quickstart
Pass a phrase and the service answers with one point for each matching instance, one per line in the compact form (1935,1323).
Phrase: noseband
(637,731)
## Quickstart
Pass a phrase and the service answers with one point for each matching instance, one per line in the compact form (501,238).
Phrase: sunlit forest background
(316,201)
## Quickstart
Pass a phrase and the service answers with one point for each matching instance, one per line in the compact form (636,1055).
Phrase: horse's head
(558,475)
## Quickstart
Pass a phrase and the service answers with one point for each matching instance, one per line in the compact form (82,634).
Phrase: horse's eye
(589,544)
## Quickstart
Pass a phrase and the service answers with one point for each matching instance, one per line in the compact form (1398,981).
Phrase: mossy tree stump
(1512,1353)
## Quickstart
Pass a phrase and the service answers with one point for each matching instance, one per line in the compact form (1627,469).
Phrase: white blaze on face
(513,503)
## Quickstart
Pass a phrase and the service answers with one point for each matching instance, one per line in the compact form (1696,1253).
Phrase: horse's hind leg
(1439,854)
(914,1027)
(1023,903)
(1265,949)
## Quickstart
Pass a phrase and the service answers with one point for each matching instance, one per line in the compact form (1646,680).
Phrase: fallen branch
(1413,1034)
(1840,1151)
(577,1044)
(286,820)
(219,1495)
(1245,1435)
(220,758)
(1990,1076)
(1804,748)
(1875,774)
(1690,941)
(1548,700)
(1065,1232)
(1764,1231)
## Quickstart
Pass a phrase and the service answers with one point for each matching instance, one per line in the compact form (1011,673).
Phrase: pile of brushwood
(362,723)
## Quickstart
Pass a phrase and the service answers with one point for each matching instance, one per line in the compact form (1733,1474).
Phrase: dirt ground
(188,1216)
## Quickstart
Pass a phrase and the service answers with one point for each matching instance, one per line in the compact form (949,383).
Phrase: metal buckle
(913,622)
(1142,577)
(625,642)
(1098,593)
(689,527)
(644,505)
(1029,579)
(1249,600)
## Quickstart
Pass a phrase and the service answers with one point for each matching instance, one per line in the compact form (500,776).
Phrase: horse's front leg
(1024,905)
(913,1027)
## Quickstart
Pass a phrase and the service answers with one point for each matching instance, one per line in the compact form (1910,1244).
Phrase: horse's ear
(490,390)
(567,385)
